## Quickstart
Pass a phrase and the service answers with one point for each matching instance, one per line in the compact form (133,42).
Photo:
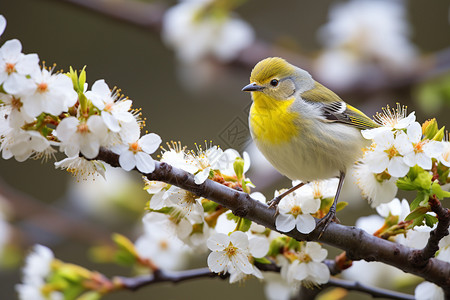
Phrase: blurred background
(188,84)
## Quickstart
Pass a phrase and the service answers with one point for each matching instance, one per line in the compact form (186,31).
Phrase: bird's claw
(325,221)
(274,204)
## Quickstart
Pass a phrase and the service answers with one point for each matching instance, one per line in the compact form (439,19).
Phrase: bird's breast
(271,121)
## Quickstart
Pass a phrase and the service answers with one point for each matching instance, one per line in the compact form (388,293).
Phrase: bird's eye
(274,82)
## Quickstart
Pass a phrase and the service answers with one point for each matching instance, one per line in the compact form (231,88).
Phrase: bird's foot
(274,204)
(325,221)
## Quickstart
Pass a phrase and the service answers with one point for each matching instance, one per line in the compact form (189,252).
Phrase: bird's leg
(275,201)
(331,215)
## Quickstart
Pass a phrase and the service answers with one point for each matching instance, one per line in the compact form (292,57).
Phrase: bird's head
(278,79)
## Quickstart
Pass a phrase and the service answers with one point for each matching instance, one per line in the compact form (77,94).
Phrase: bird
(305,130)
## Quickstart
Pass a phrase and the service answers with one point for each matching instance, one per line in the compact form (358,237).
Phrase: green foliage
(126,253)
(434,94)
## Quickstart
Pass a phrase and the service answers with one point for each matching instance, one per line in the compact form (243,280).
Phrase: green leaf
(91,295)
(262,260)
(414,171)
(244,224)
(341,205)
(440,134)
(423,180)
(209,206)
(437,190)
(127,253)
(418,221)
(421,196)
(82,79)
(430,220)
(406,184)
(232,217)
(416,213)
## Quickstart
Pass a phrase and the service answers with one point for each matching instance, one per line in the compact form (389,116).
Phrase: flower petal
(258,247)
(150,142)
(284,222)
(218,241)
(217,261)
(144,162)
(305,223)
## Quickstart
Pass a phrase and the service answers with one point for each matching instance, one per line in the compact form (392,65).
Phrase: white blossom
(24,143)
(428,291)
(50,93)
(80,167)
(188,203)
(206,161)
(2,24)
(394,208)
(352,39)
(444,158)
(159,244)
(420,152)
(15,66)
(307,267)
(377,188)
(81,136)
(390,119)
(388,154)
(194,34)
(113,112)
(137,154)
(295,211)
(231,253)
(37,268)
(17,116)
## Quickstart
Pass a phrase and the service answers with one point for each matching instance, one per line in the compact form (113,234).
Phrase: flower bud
(430,128)
(238,166)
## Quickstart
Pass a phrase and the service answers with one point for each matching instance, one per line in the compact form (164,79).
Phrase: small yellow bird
(304,129)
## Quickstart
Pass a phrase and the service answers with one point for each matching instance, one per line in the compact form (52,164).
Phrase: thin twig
(135,283)
(373,291)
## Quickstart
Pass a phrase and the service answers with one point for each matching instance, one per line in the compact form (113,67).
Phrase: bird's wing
(335,110)
(343,113)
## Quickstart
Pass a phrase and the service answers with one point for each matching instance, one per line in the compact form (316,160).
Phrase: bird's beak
(252,87)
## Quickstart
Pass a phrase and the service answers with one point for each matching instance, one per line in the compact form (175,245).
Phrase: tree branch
(135,283)
(421,257)
(356,242)
(373,291)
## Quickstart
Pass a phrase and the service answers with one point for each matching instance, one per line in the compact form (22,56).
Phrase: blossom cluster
(41,110)
(298,209)
(352,39)
(196,29)
(400,145)
(235,243)
(393,224)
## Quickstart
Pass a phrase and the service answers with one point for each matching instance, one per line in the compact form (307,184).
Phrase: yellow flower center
(42,87)
(10,68)
(83,128)
(317,193)
(108,107)
(303,257)
(296,210)
(15,103)
(134,147)
(391,152)
(418,148)
(163,245)
(231,250)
